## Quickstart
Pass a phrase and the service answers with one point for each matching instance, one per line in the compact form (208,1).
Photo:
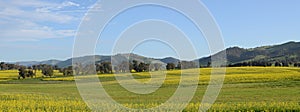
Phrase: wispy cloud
(22,30)
(33,20)
(58,7)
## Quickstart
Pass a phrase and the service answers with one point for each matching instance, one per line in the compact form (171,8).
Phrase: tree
(285,64)
(39,67)
(11,66)
(99,68)
(170,66)
(34,67)
(208,64)
(107,68)
(67,71)
(245,64)
(147,67)
(47,70)
(55,67)
(3,66)
(277,64)
(295,65)
(30,73)
(142,67)
(178,65)
(22,73)
(135,65)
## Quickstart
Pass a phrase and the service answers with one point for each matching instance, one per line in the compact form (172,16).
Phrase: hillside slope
(287,52)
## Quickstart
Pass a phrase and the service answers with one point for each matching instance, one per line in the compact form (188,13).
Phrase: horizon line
(204,56)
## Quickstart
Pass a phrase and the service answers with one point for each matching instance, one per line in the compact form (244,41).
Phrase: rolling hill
(30,63)
(289,51)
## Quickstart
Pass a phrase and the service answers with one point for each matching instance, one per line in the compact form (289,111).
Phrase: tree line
(101,68)
(29,71)
(266,64)
(125,67)
(8,66)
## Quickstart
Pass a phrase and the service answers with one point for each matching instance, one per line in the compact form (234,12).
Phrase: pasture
(244,89)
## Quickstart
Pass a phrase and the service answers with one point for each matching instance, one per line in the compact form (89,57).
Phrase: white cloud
(36,16)
(33,20)
(22,30)
(69,3)
(95,8)
(27,3)
(58,7)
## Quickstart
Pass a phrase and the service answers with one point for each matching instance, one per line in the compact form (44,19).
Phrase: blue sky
(45,29)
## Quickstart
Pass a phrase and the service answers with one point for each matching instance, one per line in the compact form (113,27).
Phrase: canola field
(244,89)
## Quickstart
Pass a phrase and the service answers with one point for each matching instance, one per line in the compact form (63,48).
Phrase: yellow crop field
(244,89)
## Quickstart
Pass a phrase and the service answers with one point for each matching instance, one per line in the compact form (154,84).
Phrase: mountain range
(287,51)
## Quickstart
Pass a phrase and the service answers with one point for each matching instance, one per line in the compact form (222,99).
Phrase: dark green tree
(277,64)
(47,70)
(178,65)
(208,64)
(34,67)
(170,66)
(135,65)
(107,68)
(22,72)
(3,66)
(68,71)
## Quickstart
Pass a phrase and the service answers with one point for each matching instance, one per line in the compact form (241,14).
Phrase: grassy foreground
(244,89)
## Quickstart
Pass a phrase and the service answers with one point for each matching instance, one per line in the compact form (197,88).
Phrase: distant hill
(285,52)
(289,51)
(68,62)
(30,63)
(170,60)
(50,62)
(118,57)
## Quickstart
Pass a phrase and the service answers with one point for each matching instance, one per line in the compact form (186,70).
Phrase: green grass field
(244,89)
